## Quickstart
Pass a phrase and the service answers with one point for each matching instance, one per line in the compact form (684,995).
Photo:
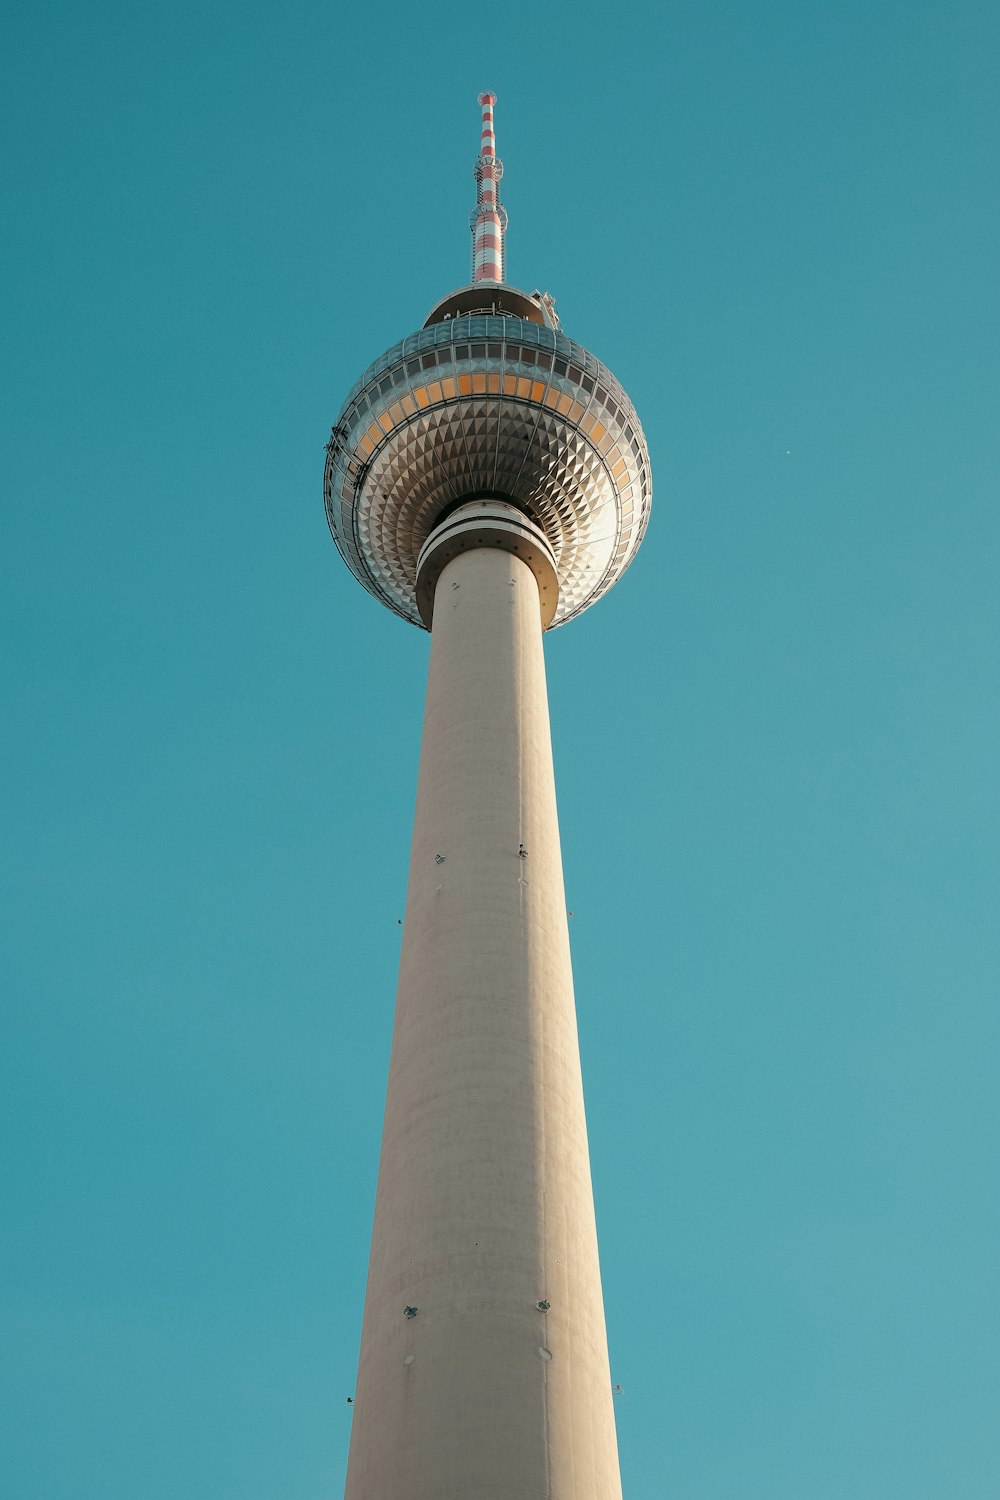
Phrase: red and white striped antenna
(489,220)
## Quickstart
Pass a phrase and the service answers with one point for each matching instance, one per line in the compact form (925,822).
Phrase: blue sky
(776,740)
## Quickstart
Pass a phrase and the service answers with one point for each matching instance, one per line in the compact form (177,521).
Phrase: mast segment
(489,218)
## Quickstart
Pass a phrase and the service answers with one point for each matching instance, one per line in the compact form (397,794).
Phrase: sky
(776,740)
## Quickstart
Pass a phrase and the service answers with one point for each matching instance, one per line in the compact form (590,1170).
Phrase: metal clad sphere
(496,406)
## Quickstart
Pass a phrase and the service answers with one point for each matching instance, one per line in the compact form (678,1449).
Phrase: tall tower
(487,478)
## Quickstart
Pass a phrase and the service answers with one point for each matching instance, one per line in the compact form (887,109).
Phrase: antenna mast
(489,219)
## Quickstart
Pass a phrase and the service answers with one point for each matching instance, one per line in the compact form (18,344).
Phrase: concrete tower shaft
(484,1368)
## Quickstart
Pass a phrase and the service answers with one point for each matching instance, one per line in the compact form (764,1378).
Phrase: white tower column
(484,1206)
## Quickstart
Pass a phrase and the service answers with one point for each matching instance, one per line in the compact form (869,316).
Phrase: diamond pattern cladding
(524,414)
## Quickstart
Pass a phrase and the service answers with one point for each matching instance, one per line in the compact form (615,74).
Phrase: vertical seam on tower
(516,626)
(538,1020)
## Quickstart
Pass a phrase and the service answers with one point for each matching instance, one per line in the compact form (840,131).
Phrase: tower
(488,479)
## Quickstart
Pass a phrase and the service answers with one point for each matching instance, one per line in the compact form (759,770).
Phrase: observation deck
(494,404)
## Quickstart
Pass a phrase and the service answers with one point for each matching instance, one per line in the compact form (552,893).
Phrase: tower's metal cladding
(487,478)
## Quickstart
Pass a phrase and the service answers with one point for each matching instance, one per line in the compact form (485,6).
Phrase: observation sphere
(488,401)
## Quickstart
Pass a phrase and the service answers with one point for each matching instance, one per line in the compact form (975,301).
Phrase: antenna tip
(487,98)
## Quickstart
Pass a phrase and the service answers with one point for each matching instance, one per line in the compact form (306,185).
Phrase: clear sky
(776,740)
